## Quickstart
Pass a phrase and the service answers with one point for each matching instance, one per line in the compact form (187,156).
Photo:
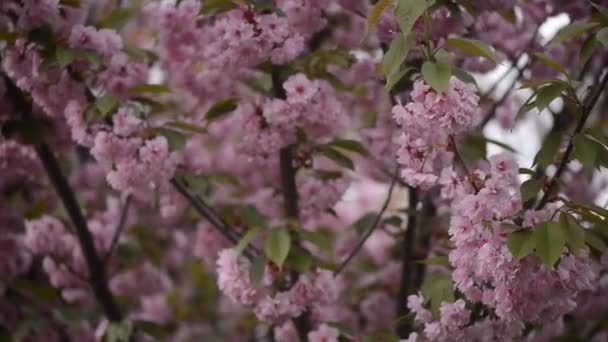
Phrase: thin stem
(96,270)
(119,228)
(587,109)
(208,213)
(97,273)
(371,229)
(462,162)
(288,181)
(404,328)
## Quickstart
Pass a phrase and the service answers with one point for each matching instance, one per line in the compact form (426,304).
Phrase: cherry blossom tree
(303,170)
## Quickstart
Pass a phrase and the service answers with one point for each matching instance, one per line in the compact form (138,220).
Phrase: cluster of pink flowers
(311,105)
(429,123)
(308,292)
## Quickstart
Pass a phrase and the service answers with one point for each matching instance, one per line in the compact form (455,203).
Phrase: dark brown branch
(119,228)
(97,274)
(404,328)
(587,109)
(371,229)
(288,182)
(208,213)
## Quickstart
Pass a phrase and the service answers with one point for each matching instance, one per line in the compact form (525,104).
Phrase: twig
(462,162)
(590,103)
(119,228)
(371,229)
(207,212)
(519,71)
(97,273)
(288,181)
(404,328)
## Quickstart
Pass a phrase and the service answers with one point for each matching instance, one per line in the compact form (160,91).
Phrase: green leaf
(382,335)
(118,17)
(321,238)
(92,57)
(395,55)
(37,209)
(246,240)
(520,244)
(548,61)
(464,76)
(549,241)
(25,327)
(176,140)
(70,3)
(546,95)
(547,152)
(153,329)
(337,156)
(571,31)
(393,79)
(437,75)
(436,260)
(278,244)
(586,150)
(365,222)
(407,12)
(374,15)
(38,290)
(350,145)
(595,242)
(42,35)
(587,50)
(602,36)
(573,232)
(149,88)
(299,259)
(530,188)
(106,105)
(184,126)
(472,47)
(251,216)
(64,57)
(436,289)
(221,109)
(31,130)
(9,37)
(119,332)
(212,7)
(328,175)
(473,148)
(256,272)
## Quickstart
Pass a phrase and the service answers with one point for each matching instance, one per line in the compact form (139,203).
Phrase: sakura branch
(586,110)
(207,212)
(96,269)
(120,227)
(369,231)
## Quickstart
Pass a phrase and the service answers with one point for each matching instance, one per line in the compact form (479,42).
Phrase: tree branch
(119,228)
(208,213)
(404,327)
(587,109)
(97,273)
(369,232)
(288,181)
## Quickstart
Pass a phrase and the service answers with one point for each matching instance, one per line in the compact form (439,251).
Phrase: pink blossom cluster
(311,105)
(429,123)
(486,272)
(455,323)
(315,291)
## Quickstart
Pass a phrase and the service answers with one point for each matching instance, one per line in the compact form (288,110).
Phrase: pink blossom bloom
(324,333)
